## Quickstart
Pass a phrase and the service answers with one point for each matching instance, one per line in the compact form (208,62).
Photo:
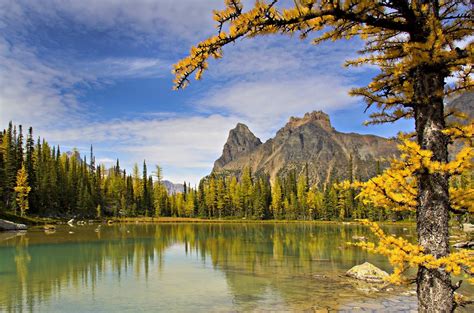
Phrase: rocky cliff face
(240,142)
(463,103)
(310,142)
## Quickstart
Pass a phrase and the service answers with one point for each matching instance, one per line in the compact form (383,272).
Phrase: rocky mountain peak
(239,142)
(242,128)
(308,143)
(317,117)
(463,103)
(312,146)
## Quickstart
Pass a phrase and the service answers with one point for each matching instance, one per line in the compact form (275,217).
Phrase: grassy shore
(28,220)
(38,221)
(153,220)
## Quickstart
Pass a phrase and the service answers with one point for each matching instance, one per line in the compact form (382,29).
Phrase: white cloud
(185,146)
(123,68)
(134,18)
(280,56)
(265,105)
(36,92)
(31,90)
(264,81)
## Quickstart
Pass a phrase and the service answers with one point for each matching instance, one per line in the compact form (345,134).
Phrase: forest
(38,179)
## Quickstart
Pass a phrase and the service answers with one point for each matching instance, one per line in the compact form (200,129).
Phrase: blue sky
(99,72)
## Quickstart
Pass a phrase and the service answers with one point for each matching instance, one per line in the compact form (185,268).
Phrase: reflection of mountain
(257,266)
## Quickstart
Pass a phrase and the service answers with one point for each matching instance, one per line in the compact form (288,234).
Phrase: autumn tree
(277,199)
(159,192)
(22,190)
(413,43)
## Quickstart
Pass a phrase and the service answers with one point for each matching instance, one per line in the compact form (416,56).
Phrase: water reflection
(176,267)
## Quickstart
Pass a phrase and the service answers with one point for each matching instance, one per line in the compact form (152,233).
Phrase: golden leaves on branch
(397,187)
(403,255)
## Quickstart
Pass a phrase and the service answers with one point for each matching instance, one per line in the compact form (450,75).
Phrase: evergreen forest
(38,179)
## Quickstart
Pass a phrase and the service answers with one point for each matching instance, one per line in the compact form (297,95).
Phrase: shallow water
(192,268)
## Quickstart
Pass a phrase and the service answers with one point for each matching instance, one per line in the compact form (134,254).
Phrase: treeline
(66,184)
(290,197)
(55,183)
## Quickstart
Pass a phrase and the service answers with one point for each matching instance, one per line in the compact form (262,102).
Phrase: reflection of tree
(255,258)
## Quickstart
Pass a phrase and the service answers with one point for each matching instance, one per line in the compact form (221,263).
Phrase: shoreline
(33,221)
(159,220)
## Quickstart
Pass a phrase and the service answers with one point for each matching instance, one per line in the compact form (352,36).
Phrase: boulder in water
(367,272)
(464,245)
(9,226)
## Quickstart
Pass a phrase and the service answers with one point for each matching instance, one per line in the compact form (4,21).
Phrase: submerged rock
(9,226)
(367,272)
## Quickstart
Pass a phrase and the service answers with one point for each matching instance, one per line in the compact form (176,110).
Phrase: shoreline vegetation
(41,221)
(40,180)
(157,220)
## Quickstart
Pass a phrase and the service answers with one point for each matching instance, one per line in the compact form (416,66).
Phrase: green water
(191,268)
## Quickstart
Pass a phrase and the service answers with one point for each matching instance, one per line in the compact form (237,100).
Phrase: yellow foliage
(396,188)
(403,255)
(22,190)
(386,30)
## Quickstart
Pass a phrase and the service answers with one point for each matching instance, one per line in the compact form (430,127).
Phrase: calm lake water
(192,268)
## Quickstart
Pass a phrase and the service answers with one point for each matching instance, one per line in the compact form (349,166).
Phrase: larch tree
(414,45)
(22,190)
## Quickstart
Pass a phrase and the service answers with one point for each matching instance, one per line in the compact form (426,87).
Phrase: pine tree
(30,150)
(246,191)
(2,171)
(301,192)
(145,189)
(221,200)
(189,206)
(277,199)
(10,166)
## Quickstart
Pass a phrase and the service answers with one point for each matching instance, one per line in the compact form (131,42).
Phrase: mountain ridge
(309,141)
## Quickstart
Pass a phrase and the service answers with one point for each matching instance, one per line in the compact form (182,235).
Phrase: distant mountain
(309,142)
(463,103)
(240,142)
(172,187)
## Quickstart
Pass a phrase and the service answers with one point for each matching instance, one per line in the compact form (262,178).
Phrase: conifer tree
(22,190)
(9,165)
(30,164)
(189,206)
(277,199)
(301,193)
(145,189)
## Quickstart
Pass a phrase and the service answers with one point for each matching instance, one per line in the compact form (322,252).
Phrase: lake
(193,268)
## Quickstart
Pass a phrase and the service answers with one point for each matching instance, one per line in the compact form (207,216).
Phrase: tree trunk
(434,289)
